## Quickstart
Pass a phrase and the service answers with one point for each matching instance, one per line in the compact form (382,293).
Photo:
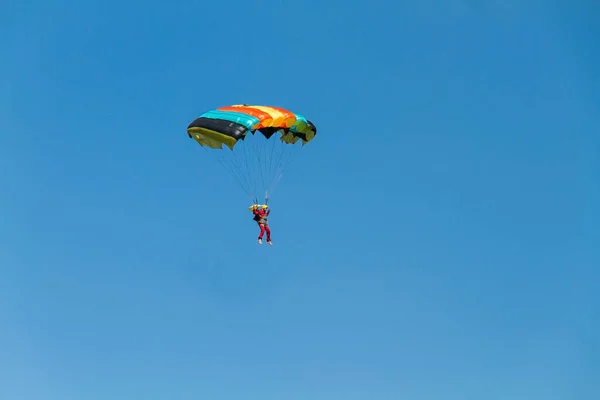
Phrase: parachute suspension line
(273,161)
(274,165)
(288,161)
(235,170)
(271,158)
(271,154)
(285,161)
(279,166)
(260,175)
(264,171)
(229,168)
(284,168)
(268,171)
(232,167)
(250,174)
(285,152)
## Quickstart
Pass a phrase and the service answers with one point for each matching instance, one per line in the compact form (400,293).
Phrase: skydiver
(261,214)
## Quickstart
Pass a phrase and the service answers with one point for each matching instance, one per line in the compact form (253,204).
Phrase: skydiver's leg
(262,231)
(268,230)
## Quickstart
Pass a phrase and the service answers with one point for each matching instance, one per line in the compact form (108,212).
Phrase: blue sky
(438,240)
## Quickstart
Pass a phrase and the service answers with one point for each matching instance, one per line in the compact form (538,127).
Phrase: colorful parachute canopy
(256,161)
(227,125)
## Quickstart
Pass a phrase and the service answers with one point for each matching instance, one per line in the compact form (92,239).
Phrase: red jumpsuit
(260,216)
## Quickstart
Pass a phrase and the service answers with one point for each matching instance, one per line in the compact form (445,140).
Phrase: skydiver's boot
(259,241)
(270,243)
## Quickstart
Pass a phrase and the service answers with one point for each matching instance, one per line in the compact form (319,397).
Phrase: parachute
(257,161)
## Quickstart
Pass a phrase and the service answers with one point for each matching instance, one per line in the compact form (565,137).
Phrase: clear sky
(437,240)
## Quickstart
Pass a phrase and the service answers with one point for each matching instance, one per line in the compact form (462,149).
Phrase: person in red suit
(261,213)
